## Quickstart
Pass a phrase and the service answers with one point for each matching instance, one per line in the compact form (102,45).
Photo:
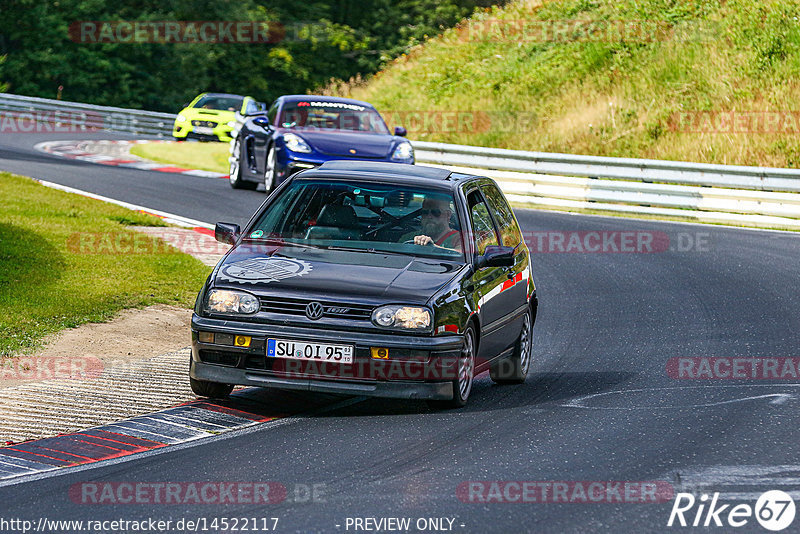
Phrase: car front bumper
(418,367)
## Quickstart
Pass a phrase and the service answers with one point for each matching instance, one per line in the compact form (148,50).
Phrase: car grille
(331,309)
(207,124)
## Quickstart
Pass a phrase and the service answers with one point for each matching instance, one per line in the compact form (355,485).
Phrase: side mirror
(400,131)
(186,105)
(226,233)
(495,256)
(263,122)
(261,106)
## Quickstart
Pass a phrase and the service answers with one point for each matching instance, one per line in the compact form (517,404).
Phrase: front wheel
(271,170)
(514,369)
(462,385)
(213,390)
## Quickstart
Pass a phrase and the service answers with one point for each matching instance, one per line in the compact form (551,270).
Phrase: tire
(270,170)
(462,385)
(514,369)
(235,169)
(213,390)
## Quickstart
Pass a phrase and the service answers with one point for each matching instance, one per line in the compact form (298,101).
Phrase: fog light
(379,353)
(242,341)
(205,337)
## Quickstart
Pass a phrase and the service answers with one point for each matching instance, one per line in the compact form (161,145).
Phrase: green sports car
(212,116)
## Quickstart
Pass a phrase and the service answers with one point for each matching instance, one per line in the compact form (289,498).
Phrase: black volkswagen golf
(367,278)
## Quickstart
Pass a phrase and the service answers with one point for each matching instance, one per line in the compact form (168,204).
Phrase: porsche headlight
(295,143)
(395,316)
(180,118)
(225,301)
(403,151)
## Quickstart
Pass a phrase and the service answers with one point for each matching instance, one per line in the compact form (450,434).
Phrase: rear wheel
(235,169)
(514,369)
(462,385)
(213,390)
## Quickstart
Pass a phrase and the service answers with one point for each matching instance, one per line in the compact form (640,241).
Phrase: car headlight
(395,316)
(225,301)
(295,143)
(180,118)
(403,151)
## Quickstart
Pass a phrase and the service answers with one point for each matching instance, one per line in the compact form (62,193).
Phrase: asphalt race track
(601,403)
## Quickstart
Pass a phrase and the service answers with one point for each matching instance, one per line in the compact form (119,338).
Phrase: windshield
(223,103)
(332,116)
(364,216)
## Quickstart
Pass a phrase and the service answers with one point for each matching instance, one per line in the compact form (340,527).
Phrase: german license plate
(299,350)
(203,130)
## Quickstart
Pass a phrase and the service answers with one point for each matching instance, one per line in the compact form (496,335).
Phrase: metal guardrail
(31,114)
(756,196)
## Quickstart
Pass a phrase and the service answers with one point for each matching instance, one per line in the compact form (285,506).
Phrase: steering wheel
(396,221)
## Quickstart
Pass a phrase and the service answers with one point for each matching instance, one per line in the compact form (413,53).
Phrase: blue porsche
(304,131)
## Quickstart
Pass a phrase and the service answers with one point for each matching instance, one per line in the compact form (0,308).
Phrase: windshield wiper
(279,241)
(365,250)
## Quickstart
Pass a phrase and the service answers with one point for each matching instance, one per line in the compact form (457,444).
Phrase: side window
(251,107)
(484,233)
(510,233)
(273,111)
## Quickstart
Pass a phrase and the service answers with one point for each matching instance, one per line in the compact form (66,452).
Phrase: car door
(488,281)
(515,292)
(262,138)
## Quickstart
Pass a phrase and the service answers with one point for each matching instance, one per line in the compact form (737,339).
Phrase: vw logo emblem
(314,310)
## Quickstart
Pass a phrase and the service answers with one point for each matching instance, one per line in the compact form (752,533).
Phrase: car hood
(324,273)
(215,115)
(341,143)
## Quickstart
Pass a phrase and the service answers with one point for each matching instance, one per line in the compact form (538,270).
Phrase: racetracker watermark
(722,368)
(421,121)
(564,491)
(567,31)
(736,122)
(616,242)
(176,31)
(564,31)
(50,368)
(20,122)
(116,243)
(182,493)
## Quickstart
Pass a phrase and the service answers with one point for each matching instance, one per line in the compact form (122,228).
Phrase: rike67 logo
(774,510)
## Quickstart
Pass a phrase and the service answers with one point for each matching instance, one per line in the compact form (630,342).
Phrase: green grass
(61,266)
(613,97)
(191,155)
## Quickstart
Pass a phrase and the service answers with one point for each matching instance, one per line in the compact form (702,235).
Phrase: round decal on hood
(263,270)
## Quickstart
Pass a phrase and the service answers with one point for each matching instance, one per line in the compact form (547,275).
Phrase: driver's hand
(423,240)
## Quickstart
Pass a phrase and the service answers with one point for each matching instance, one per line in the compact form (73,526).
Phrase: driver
(436,230)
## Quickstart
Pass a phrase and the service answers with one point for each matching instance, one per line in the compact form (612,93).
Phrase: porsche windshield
(332,116)
(364,216)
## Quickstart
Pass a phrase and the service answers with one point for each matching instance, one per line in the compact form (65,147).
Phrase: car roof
(387,172)
(318,98)
(223,94)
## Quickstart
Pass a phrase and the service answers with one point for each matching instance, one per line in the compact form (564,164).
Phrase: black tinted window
(510,233)
(484,233)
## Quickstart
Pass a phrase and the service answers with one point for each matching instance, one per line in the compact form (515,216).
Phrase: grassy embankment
(191,155)
(67,260)
(586,90)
